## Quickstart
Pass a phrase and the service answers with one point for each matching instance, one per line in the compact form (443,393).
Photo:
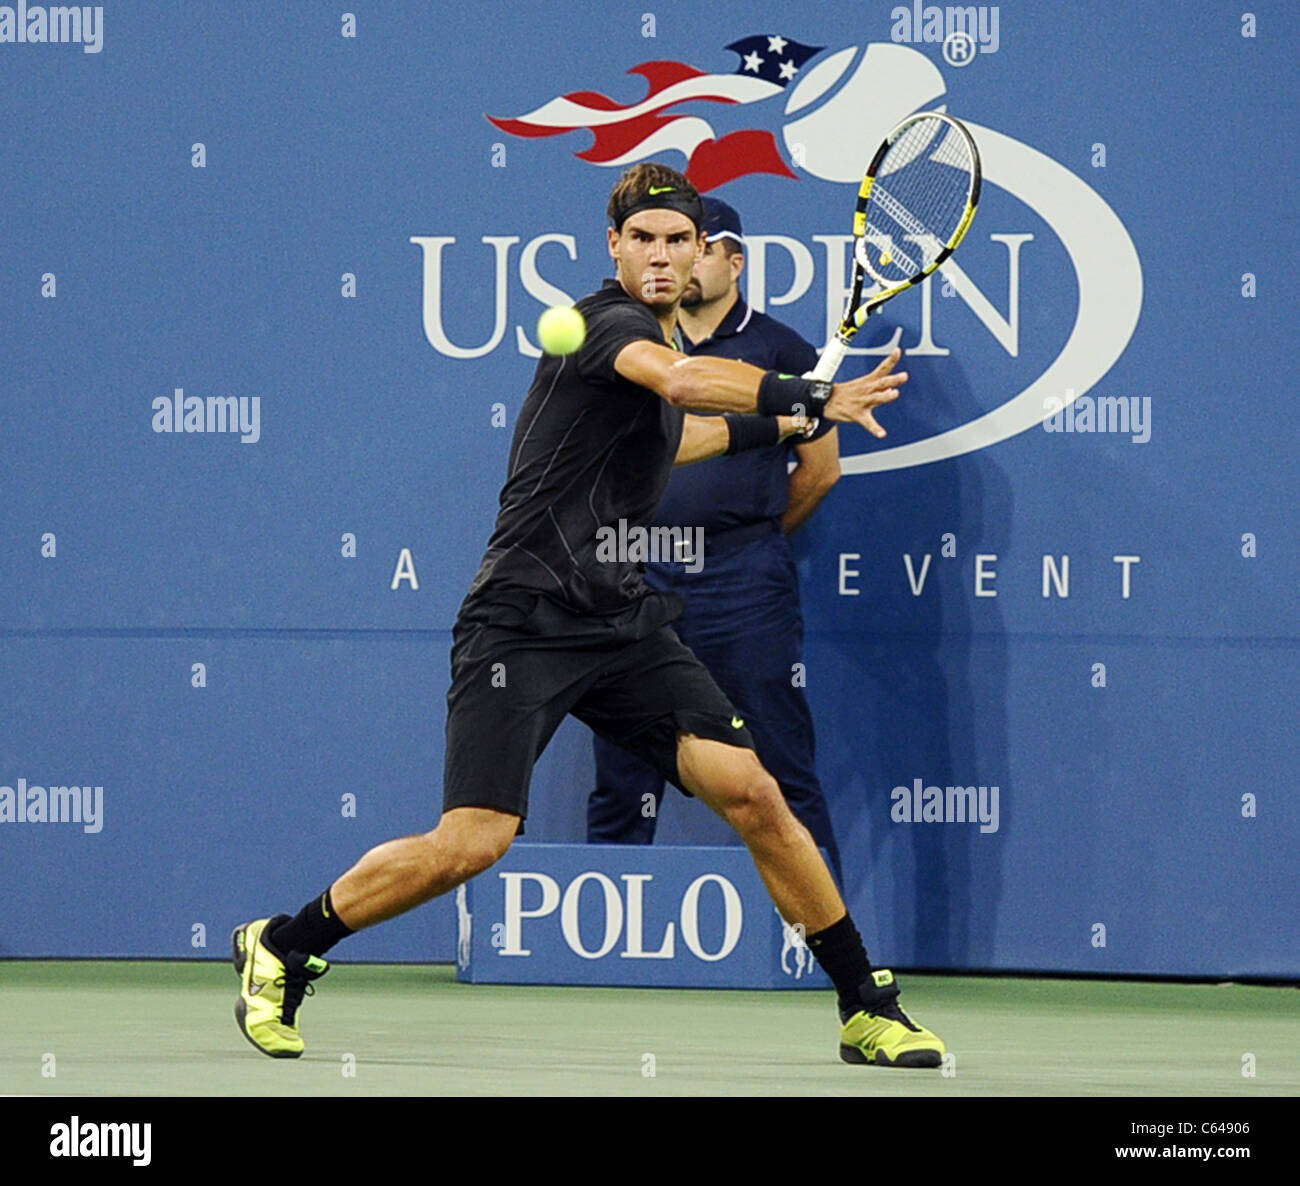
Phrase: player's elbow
(679,387)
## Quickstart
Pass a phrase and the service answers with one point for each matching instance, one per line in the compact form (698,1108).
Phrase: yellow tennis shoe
(271,988)
(881,1034)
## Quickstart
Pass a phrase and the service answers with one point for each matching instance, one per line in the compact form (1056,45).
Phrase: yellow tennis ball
(561,329)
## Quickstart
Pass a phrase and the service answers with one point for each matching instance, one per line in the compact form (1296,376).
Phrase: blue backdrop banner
(269,284)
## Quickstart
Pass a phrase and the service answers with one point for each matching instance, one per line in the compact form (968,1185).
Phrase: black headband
(686,202)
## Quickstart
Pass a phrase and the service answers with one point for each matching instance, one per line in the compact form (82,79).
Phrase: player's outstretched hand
(852,402)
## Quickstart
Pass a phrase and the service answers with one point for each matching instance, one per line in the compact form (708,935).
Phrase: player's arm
(711,436)
(818,469)
(697,383)
(701,383)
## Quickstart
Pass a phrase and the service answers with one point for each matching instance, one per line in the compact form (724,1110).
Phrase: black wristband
(784,395)
(751,432)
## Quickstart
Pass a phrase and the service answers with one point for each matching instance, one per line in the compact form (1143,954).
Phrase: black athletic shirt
(590,448)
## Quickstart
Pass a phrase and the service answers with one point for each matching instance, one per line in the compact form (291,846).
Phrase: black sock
(314,931)
(839,950)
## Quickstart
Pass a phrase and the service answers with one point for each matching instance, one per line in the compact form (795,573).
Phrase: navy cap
(721,221)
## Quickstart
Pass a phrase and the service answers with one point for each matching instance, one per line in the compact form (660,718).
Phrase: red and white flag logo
(626,133)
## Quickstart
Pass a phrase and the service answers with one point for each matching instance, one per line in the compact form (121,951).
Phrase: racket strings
(921,207)
(897,211)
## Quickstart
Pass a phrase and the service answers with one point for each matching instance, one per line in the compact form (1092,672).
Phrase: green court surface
(126,1028)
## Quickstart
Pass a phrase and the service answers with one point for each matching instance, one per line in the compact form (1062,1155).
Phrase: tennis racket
(915,206)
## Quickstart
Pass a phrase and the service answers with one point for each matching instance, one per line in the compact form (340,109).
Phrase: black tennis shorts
(518,670)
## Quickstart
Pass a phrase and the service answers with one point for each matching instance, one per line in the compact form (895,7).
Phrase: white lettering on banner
(1052,576)
(1006,330)
(1055,574)
(1126,561)
(615,911)
(613,916)
(432,247)
(846,572)
(543,293)
(756,271)
(635,923)
(515,913)
(917,583)
(836,251)
(733,913)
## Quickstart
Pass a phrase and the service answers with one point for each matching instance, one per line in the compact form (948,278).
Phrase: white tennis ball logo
(847,109)
(561,330)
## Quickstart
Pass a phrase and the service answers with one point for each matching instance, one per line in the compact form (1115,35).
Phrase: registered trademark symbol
(959,48)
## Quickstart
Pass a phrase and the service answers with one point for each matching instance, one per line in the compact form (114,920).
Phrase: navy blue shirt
(750,487)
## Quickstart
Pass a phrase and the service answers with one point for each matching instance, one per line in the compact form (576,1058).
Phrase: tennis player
(742,618)
(552,626)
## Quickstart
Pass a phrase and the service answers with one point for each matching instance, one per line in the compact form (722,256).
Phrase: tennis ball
(561,329)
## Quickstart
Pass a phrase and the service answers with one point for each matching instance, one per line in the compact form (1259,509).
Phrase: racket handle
(830,360)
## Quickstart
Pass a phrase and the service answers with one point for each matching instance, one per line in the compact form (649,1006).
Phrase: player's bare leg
(398,876)
(277,958)
(732,781)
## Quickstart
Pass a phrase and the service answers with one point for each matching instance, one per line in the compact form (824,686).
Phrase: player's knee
(466,851)
(474,861)
(757,805)
(482,852)
(460,862)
